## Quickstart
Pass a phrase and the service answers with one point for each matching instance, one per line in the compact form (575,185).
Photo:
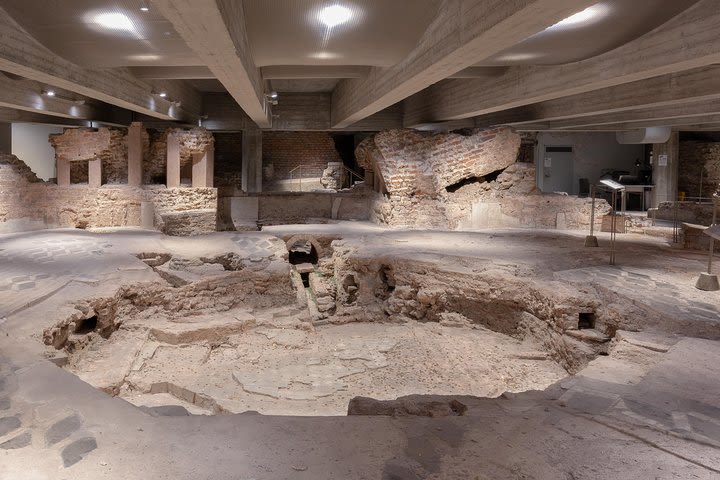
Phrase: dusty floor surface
(646,407)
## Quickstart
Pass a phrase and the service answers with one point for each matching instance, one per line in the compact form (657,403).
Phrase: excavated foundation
(278,335)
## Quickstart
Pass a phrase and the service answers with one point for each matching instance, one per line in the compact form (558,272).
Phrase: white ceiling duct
(644,135)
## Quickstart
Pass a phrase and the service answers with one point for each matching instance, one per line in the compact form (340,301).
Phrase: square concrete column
(665,170)
(203,168)
(135,154)
(6,138)
(95,173)
(252,161)
(62,171)
(172,169)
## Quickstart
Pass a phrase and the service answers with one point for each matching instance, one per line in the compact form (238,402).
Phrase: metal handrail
(352,173)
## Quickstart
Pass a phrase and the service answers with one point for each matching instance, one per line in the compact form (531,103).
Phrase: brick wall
(699,159)
(195,140)
(420,164)
(26,201)
(283,151)
(470,180)
(79,145)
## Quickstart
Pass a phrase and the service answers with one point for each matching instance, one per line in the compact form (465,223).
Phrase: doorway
(558,169)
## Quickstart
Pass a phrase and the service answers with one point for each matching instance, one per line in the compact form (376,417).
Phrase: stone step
(588,335)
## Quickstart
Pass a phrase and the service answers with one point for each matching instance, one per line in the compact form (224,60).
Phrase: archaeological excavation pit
(225,333)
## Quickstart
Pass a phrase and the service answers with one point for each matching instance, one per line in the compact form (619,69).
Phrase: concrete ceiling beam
(657,122)
(12,115)
(22,55)
(644,116)
(666,93)
(464,33)
(300,72)
(688,41)
(215,30)
(172,73)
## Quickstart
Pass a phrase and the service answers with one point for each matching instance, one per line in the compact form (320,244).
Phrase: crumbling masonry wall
(80,145)
(195,140)
(468,180)
(29,203)
(699,168)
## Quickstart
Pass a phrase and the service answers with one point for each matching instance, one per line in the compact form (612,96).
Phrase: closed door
(558,170)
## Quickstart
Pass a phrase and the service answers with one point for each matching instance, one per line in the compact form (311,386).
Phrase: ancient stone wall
(79,145)
(192,141)
(463,181)
(699,168)
(26,202)
(284,151)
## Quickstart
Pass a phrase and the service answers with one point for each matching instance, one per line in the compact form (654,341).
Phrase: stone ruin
(462,180)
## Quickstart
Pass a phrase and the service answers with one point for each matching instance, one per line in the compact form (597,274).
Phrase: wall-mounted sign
(662,160)
(548,162)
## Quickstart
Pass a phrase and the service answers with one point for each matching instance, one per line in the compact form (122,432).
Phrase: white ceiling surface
(379,33)
(69,28)
(615,23)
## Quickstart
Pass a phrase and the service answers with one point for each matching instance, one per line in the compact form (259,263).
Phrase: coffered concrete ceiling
(486,61)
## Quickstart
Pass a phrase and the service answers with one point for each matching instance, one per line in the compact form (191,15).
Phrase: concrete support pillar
(135,154)
(95,173)
(665,170)
(62,172)
(203,168)
(252,161)
(6,138)
(172,169)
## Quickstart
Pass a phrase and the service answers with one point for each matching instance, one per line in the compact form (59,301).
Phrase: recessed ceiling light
(324,56)
(49,93)
(149,57)
(584,17)
(517,57)
(162,94)
(114,21)
(144,9)
(334,15)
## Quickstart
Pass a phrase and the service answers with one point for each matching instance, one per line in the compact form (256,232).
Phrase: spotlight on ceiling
(334,15)
(162,94)
(48,93)
(325,56)
(585,17)
(272,97)
(114,21)
(517,57)
(144,9)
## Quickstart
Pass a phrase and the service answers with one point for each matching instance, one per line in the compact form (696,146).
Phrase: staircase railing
(352,173)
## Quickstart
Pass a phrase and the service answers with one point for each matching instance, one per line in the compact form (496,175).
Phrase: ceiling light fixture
(334,15)
(272,97)
(517,57)
(48,93)
(162,94)
(589,15)
(144,9)
(325,56)
(114,21)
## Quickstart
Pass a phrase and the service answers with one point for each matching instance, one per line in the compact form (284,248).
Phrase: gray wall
(593,152)
(30,144)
